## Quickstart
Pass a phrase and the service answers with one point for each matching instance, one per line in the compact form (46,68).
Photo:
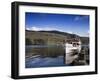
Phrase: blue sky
(76,24)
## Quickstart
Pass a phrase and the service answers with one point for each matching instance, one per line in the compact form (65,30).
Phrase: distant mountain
(58,32)
(84,40)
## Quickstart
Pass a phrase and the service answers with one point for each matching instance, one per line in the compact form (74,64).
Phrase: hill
(52,37)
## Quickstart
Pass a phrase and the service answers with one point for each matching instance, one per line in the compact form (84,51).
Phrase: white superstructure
(71,46)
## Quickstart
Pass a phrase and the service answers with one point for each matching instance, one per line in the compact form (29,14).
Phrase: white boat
(71,46)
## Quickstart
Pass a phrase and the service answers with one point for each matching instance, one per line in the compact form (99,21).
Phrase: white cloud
(77,18)
(47,29)
(33,28)
(70,32)
(42,28)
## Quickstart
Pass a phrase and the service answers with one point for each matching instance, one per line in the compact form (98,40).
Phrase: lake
(45,56)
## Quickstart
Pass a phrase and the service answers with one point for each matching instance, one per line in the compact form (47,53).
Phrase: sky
(70,23)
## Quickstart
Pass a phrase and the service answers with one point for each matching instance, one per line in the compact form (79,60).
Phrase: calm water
(44,56)
(44,62)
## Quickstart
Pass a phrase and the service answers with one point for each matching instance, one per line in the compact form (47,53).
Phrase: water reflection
(43,55)
(52,55)
(44,50)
